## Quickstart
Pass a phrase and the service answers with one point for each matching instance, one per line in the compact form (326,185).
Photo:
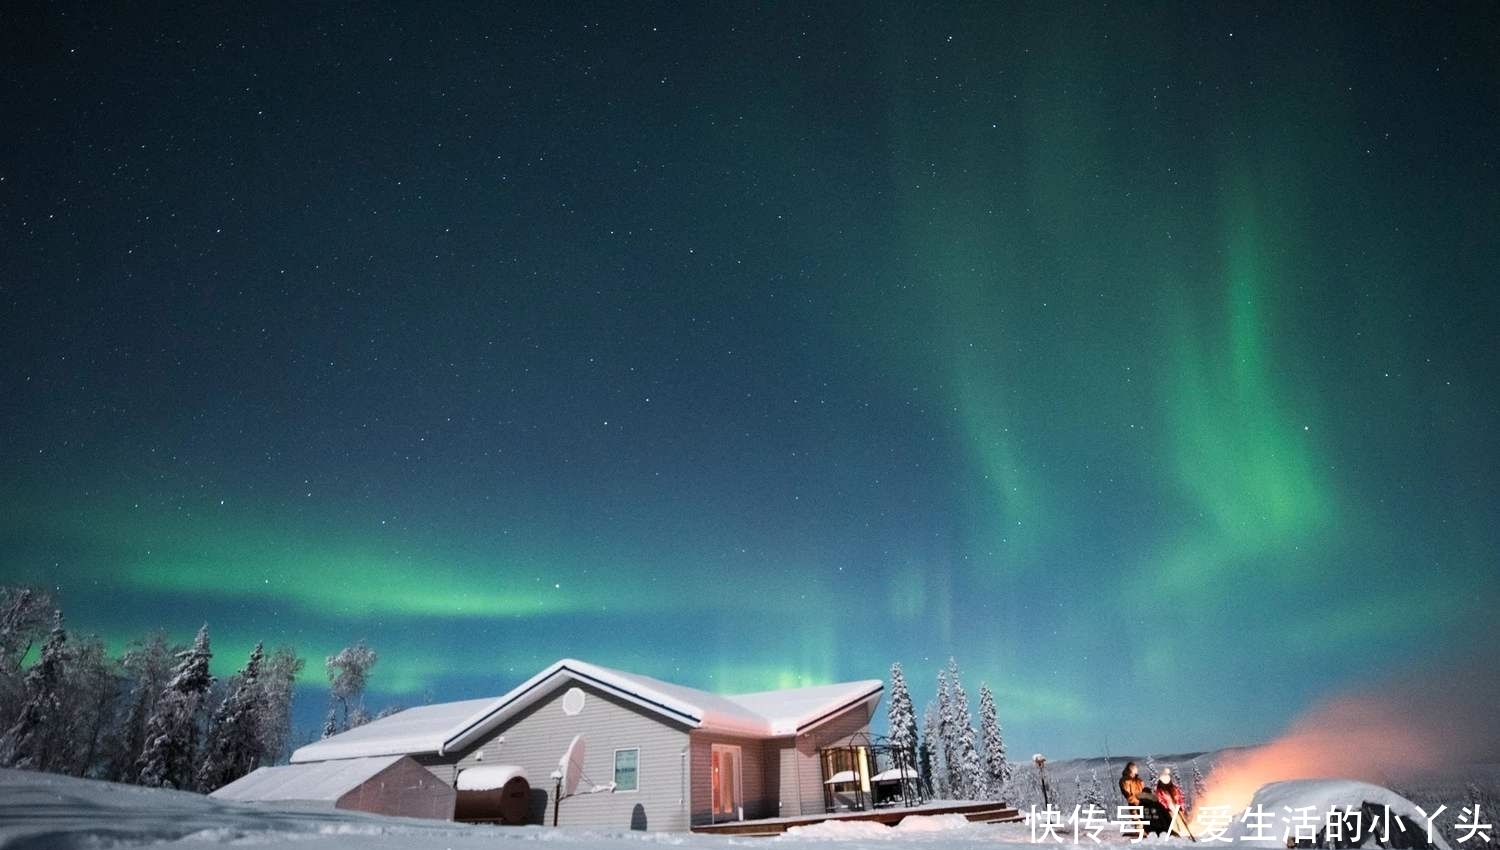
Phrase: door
(724,766)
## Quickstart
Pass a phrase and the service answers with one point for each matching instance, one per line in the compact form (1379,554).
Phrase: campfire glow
(1352,737)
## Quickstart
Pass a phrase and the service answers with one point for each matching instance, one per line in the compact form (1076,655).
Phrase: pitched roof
(318,782)
(451,726)
(415,730)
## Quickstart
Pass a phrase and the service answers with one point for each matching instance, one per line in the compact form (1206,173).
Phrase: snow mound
(912,828)
(838,830)
(1291,803)
(933,823)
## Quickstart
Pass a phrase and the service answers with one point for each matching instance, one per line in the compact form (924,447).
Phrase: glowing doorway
(725,779)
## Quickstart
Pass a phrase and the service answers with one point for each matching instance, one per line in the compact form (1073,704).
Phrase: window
(626,773)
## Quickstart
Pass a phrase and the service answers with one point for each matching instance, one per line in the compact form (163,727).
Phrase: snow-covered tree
(234,741)
(1151,771)
(32,741)
(934,771)
(90,707)
(947,734)
(278,674)
(996,767)
(172,730)
(1197,788)
(146,664)
(25,617)
(903,716)
(964,764)
(903,735)
(348,673)
(1091,793)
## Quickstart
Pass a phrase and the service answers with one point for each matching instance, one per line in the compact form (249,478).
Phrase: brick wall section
(404,789)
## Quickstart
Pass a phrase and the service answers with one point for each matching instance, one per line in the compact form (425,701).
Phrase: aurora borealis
(1143,357)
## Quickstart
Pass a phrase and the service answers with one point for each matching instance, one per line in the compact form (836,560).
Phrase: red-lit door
(724,767)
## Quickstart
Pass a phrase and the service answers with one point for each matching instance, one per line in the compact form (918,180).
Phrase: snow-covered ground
(46,812)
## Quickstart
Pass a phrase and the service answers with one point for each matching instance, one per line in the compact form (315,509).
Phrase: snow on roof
(766,714)
(415,730)
(800,709)
(321,782)
(451,726)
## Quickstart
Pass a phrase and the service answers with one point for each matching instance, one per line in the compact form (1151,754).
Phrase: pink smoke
(1403,729)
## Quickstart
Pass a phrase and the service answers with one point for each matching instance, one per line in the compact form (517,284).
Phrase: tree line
(152,716)
(155,715)
(955,761)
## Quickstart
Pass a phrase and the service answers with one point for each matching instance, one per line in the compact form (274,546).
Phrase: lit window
(626,762)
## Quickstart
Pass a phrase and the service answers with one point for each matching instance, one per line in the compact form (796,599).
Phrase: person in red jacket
(1169,795)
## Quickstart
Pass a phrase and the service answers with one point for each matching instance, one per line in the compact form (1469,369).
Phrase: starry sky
(1140,356)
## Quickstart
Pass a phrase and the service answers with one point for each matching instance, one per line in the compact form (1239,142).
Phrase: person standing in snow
(1131,786)
(1169,795)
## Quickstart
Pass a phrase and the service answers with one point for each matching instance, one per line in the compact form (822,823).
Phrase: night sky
(1142,356)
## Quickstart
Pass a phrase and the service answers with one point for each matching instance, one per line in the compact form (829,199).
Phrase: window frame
(615,774)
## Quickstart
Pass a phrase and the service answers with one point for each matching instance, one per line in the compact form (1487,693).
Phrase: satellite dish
(571,766)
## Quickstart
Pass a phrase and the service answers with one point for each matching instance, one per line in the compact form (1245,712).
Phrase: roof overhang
(871,697)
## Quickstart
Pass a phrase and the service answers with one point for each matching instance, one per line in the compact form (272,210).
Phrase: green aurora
(1123,354)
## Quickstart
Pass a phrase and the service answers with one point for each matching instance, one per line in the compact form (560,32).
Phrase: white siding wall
(790,765)
(537,738)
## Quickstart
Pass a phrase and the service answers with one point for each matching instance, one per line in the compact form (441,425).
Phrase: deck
(975,812)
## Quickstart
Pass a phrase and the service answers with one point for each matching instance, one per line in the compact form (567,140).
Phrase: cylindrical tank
(497,793)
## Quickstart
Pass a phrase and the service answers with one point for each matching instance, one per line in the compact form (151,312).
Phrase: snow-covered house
(655,755)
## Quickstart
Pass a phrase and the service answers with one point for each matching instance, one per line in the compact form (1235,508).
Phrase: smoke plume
(1383,734)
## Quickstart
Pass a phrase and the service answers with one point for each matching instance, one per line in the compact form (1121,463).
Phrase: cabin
(634,752)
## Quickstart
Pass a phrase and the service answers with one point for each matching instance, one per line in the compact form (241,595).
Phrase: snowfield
(41,811)
(46,812)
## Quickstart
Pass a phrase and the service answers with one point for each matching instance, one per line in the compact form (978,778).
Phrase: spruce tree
(996,767)
(967,771)
(903,717)
(171,750)
(947,734)
(146,667)
(234,741)
(934,770)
